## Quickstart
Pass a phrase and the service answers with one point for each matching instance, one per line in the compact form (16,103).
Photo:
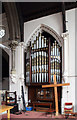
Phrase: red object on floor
(68,107)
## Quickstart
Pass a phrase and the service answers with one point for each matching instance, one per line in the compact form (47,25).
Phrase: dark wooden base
(43,106)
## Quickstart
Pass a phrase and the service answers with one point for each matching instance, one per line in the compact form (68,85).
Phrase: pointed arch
(47,29)
(53,33)
(13,21)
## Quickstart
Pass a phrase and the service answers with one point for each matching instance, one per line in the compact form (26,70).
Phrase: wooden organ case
(43,59)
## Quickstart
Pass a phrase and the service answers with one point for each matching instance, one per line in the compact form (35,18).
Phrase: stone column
(13,46)
(66,69)
(66,54)
(21,76)
(22,47)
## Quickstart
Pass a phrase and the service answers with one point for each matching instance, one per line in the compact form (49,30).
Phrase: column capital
(22,44)
(13,44)
(65,35)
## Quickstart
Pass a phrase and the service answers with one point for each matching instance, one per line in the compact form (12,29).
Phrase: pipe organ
(39,53)
(55,61)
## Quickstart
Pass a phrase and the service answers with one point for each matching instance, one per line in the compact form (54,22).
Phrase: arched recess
(53,33)
(5,63)
(5,69)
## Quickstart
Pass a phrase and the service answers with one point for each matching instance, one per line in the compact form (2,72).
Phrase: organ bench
(43,106)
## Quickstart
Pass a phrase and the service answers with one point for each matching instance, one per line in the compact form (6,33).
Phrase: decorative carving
(13,44)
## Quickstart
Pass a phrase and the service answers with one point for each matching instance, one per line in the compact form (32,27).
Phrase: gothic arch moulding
(53,33)
(13,20)
(47,29)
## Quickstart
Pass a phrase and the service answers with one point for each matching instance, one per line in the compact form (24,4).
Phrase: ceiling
(33,10)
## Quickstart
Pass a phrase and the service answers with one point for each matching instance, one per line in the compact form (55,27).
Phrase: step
(43,109)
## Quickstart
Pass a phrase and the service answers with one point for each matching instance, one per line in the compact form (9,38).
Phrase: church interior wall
(55,22)
(51,21)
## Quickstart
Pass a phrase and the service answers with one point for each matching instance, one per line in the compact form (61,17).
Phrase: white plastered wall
(70,76)
(55,22)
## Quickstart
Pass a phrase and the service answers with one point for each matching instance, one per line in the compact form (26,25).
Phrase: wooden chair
(11,100)
(68,108)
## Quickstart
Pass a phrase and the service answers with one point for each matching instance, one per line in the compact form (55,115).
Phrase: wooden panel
(45,94)
(32,94)
(41,108)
